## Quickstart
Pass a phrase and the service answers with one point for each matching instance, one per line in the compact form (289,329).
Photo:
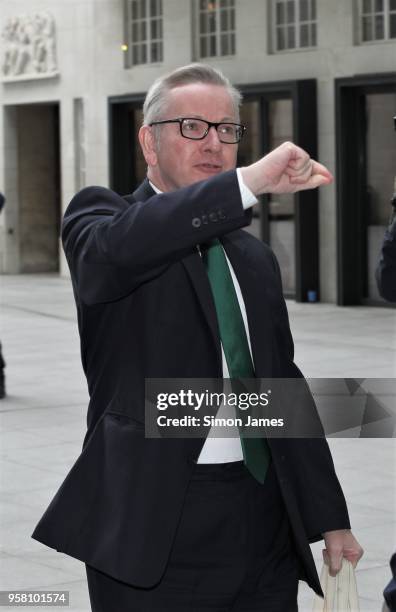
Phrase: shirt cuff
(248,198)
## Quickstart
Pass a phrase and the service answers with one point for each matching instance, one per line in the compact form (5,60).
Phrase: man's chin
(198,175)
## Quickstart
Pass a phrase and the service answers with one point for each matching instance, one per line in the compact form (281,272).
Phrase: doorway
(127,164)
(32,188)
(274,113)
(366,171)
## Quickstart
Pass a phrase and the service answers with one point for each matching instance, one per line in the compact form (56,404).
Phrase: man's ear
(148,144)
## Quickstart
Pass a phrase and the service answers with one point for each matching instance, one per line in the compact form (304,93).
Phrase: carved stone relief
(29,46)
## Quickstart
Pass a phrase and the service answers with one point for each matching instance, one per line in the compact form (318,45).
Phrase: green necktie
(235,345)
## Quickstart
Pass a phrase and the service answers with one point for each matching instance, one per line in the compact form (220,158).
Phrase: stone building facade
(320,72)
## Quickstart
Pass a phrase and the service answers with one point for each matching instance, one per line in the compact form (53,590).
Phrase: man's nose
(212,141)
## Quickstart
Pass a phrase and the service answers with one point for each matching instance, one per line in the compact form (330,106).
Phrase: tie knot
(205,246)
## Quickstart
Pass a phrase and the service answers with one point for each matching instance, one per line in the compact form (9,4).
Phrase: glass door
(269,122)
(250,150)
(380,182)
(281,206)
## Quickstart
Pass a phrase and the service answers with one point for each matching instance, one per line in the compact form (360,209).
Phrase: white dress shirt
(226,450)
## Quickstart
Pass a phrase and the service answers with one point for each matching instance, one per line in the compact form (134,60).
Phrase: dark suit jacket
(390,589)
(145,309)
(386,270)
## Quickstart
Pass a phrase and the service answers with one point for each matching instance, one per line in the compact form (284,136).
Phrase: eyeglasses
(197,129)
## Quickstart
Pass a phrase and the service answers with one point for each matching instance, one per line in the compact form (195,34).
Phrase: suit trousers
(233,551)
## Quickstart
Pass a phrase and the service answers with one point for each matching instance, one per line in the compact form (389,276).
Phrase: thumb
(333,560)
(314,181)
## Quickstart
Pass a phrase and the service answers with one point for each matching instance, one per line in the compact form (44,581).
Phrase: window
(377,20)
(216,23)
(294,24)
(144,31)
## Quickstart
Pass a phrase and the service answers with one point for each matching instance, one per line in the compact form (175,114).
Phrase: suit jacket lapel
(199,280)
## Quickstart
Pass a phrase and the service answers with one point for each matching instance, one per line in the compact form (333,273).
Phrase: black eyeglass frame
(210,124)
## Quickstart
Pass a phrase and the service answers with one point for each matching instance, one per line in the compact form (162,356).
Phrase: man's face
(177,161)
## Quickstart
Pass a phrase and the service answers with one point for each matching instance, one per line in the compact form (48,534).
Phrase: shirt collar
(154,188)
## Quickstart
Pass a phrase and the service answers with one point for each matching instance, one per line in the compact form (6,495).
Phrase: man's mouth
(207,167)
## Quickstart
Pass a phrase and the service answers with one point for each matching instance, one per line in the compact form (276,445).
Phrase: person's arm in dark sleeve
(386,270)
(309,461)
(112,246)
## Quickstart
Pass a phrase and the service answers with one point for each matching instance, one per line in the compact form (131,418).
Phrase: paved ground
(43,422)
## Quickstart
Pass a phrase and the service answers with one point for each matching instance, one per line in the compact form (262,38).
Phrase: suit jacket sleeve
(309,465)
(386,270)
(113,246)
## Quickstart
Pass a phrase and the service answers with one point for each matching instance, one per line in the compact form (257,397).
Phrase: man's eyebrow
(231,119)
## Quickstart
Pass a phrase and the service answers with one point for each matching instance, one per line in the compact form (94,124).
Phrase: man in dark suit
(189,524)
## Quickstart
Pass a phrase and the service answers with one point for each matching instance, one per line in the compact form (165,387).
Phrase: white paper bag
(340,591)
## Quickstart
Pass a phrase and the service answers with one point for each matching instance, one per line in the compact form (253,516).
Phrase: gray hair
(156,99)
